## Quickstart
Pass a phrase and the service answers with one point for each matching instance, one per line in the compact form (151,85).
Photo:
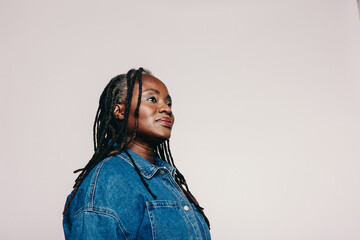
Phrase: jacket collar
(146,168)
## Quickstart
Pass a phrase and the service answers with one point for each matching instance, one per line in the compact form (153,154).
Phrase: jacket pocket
(167,220)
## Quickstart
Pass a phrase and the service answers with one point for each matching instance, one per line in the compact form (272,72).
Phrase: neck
(143,149)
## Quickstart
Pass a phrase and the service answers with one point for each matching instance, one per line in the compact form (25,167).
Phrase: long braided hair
(110,135)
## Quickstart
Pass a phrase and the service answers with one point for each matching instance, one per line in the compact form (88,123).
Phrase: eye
(169,104)
(153,99)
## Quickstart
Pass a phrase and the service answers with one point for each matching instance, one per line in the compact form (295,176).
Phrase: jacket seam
(202,224)
(104,212)
(94,182)
(147,176)
(181,199)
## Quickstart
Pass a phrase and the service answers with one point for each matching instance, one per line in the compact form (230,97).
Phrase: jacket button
(162,172)
(186,208)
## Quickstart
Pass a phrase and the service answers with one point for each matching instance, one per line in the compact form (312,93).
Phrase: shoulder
(114,173)
(108,184)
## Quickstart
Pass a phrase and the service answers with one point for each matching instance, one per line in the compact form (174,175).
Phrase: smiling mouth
(166,122)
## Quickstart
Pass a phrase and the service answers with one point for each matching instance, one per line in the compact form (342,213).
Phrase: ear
(119,111)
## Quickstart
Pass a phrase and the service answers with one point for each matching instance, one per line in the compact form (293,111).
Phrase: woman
(131,189)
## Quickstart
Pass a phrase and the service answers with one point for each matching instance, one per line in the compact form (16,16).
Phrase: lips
(165,121)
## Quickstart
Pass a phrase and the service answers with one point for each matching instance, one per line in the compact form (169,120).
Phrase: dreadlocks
(111,136)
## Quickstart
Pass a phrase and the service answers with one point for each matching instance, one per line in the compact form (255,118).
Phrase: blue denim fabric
(112,203)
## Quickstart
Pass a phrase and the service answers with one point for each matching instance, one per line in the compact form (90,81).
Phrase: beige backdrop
(266,98)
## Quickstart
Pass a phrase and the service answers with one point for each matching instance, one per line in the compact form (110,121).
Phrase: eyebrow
(155,91)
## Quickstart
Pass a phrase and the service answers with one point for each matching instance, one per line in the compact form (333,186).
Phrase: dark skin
(155,117)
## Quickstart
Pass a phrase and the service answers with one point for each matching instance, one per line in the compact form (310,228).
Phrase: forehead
(151,82)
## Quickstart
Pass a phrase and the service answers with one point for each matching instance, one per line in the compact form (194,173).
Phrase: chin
(163,135)
(164,138)
(160,139)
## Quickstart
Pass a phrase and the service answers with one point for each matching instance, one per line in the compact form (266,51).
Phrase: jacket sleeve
(96,225)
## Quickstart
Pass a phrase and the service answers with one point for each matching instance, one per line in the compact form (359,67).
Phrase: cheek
(146,118)
(146,112)
(145,123)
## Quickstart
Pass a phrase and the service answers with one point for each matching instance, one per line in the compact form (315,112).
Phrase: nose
(164,108)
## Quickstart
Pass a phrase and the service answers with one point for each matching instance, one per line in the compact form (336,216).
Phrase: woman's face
(155,115)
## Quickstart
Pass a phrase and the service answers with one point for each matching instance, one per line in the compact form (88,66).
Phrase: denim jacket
(113,203)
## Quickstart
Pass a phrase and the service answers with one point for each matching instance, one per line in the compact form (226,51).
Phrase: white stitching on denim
(187,222)
(147,176)
(180,199)
(150,175)
(104,212)
(94,181)
(151,220)
(151,205)
(202,224)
